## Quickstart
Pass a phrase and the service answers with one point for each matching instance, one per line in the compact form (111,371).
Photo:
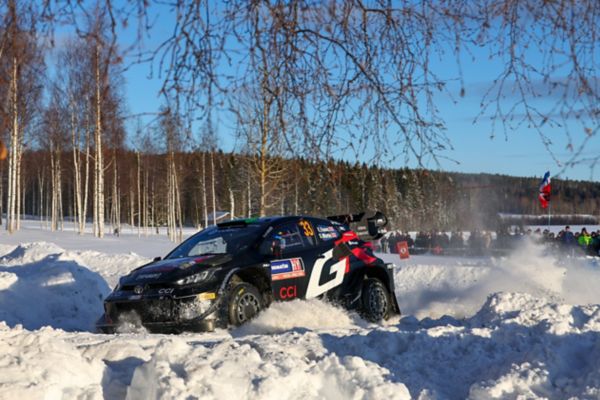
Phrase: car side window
(287,237)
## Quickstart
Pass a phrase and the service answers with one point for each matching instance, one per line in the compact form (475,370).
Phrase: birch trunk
(231,204)
(53,185)
(18,181)
(204,199)
(116,203)
(83,219)
(212,184)
(12,162)
(178,214)
(79,216)
(99,166)
(249,194)
(139,189)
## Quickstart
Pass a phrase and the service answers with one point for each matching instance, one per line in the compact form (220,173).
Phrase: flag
(544,195)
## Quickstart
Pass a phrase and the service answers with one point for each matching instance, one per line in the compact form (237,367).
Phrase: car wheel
(376,304)
(245,302)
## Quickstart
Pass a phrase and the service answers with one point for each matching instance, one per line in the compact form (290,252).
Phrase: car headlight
(196,278)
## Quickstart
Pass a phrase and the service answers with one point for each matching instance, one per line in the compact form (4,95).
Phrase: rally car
(226,274)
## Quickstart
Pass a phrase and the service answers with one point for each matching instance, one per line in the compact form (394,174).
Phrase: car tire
(376,301)
(245,302)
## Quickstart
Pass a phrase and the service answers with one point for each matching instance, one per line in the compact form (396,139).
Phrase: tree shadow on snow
(52,291)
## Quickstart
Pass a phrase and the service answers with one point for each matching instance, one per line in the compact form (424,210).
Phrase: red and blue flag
(544,195)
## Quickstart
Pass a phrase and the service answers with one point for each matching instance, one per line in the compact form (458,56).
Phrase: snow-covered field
(524,326)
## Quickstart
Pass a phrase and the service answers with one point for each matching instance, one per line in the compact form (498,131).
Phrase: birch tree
(22,69)
(171,131)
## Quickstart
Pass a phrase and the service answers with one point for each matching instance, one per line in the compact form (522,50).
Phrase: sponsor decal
(148,276)
(287,269)
(325,229)
(327,232)
(328,235)
(166,291)
(135,297)
(207,296)
(288,292)
(336,275)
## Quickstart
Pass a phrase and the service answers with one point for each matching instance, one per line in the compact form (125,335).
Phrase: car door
(291,250)
(304,266)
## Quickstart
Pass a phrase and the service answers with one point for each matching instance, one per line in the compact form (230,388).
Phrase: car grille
(147,286)
(159,310)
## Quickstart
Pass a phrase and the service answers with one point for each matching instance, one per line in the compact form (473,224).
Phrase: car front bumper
(159,314)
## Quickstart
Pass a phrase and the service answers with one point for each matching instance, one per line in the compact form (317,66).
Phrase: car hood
(175,268)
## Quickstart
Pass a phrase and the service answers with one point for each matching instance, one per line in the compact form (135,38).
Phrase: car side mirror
(157,259)
(341,251)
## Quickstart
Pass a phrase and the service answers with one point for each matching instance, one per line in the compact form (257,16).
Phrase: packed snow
(522,326)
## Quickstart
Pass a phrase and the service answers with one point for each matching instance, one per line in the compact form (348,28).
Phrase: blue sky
(520,153)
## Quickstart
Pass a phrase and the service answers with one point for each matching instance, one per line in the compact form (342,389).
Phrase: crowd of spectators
(486,242)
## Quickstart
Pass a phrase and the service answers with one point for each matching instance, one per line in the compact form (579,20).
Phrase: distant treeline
(137,191)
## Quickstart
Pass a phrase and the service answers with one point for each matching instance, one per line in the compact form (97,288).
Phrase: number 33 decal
(337,270)
(308,230)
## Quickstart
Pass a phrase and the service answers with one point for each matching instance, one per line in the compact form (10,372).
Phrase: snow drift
(44,286)
(524,326)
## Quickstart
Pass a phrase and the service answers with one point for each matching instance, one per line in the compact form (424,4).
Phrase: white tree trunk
(204,200)
(116,200)
(79,216)
(12,162)
(231,204)
(54,213)
(86,183)
(178,206)
(212,184)
(99,166)
(249,194)
(139,190)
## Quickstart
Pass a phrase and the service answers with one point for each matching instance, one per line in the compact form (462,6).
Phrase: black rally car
(225,274)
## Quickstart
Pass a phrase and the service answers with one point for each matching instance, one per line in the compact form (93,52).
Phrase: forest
(218,185)
(321,99)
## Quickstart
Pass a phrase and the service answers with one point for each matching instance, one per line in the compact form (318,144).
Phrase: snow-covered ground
(524,326)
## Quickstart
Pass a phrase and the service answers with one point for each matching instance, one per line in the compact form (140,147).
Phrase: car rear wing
(368,225)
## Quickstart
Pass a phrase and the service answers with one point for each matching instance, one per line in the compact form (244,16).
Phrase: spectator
(567,237)
(595,245)
(584,239)
(457,241)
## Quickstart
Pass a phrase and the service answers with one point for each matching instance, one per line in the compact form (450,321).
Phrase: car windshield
(214,240)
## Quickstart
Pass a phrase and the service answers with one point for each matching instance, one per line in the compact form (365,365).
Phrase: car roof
(264,221)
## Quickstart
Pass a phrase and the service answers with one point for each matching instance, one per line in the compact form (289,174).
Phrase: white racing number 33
(314,289)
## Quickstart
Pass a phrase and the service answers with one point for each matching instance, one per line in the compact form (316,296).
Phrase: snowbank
(41,284)
(525,326)
(42,365)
